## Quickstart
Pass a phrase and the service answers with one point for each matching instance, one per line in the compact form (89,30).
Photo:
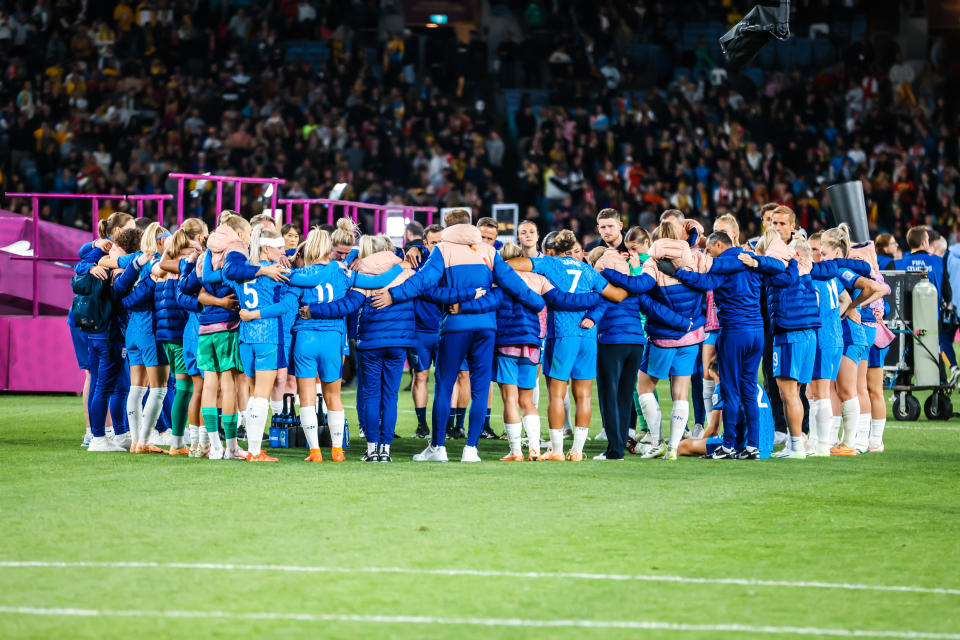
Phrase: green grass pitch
(696,549)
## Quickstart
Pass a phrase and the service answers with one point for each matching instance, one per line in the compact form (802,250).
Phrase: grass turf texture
(879,519)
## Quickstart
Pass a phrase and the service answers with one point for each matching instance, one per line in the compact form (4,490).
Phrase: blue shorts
(144,351)
(794,360)
(571,357)
(855,352)
(191,342)
(826,363)
(877,356)
(424,353)
(663,362)
(711,337)
(261,357)
(318,353)
(871,333)
(79,338)
(713,444)
(464,366)
(516,371)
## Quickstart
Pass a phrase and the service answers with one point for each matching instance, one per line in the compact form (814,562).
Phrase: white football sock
(536,394)
(385,448)
(566,411)
(371,448)
(276,406)
(256,423)
(834,430)
(108,431)
(336,420)
(135,411)
(531,425)
(579,437)
(513,436)
(176,442)
(813,435)
(651,413)
(863,432)
(204,437)
(678,422)
(194,432)
(708,388)
(296,399)
(876,432)
(825,420)
(308,420)
(151,411)
(556,440)
(851,421)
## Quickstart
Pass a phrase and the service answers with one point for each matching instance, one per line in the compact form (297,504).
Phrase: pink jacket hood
(381,262)
(462,234)
(611,259)
(676,251)
(222,241)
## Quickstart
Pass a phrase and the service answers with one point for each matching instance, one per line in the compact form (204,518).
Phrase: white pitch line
(918,427)
(535,575)
(649,625)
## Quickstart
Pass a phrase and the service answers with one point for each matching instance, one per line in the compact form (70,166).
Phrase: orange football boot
(315,456)
(260,457)
(513,457)
(336,454)
(841,450)
(182,451)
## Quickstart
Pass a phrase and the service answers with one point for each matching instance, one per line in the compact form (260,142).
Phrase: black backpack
(93,305)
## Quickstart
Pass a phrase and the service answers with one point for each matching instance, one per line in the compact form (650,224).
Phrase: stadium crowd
(110,97)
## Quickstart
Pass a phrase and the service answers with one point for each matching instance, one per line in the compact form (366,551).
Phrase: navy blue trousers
(477,347)
(107,389)
(738,358)
(378,390)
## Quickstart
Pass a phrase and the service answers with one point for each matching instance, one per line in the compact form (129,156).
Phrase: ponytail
(116,220)
(148,241)
(317,246)
(189,231)
(565,241)
(345,234)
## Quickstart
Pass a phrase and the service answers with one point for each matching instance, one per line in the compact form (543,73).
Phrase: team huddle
(191,336)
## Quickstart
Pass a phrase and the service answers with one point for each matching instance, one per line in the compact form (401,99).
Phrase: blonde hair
(148,241)
(191,229)
(317,246)
(110,224)
(769,236)
(225,215)
(837,238)
(669,230)
(730,226)
(235,222)
(802,247)
(511,251)
(259,231)
(784,209)
(345,233)
(370,245)
(595,254)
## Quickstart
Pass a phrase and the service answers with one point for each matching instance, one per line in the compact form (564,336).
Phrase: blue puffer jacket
(169,317)
(792,301)
(462,261)
(680,299)
(736,289)
(214,284)
(517,322)
(620,323)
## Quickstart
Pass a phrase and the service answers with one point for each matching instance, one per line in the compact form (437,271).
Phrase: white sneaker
(647,439)
(602,436)
(216,453)
(780,437)
(603,456)
(671,454)
(235,453)
(811,447)
(654,451)
(470,454)
(123,440)
(431,454)
(104,444)
(87,436)
(783,453)
(108,431)
(796,455)
(697,431)
(632,434)
(157,439)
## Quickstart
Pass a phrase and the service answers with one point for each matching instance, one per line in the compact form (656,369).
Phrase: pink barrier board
(36,354)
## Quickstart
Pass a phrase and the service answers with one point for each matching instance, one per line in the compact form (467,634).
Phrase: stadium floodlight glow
(395,221)
(438,18)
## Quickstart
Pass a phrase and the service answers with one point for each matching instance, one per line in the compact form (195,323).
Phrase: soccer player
(149,369)
(463,261)
(171,320)
(427,331)
(261,333)
(571,347)
(318,342)
(826,362)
